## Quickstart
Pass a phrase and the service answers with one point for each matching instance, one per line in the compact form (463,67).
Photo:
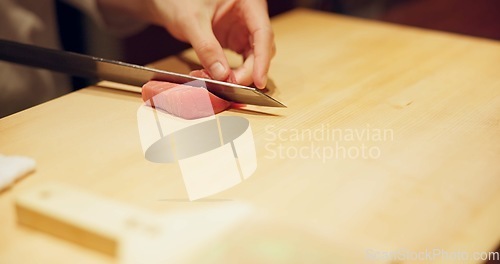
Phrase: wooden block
(130,234)
(89,220)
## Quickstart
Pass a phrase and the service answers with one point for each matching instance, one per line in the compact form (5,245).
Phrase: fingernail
(218,71)
(264,82)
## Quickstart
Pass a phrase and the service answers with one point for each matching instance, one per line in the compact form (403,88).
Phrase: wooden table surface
(423,106)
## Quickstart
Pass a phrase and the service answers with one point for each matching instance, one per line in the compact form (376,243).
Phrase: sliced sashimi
(182,100)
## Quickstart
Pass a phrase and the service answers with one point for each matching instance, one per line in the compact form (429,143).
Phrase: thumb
(209,51)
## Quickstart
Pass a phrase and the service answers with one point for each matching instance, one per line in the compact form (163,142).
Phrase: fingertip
(218,71)
(232,77)
(211,55)
(243,74)
(262,83)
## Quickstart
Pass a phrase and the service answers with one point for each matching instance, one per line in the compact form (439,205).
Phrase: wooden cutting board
(391,141)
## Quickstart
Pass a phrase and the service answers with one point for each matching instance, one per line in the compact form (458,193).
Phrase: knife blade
(121,72)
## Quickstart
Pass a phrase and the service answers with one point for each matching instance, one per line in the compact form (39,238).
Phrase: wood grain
(434,182)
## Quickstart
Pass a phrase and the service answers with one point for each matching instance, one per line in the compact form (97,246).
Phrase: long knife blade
(121,72)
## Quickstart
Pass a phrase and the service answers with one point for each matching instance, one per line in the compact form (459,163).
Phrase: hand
(240,25)
(210,25)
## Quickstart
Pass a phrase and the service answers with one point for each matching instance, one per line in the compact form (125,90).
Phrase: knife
(121,72)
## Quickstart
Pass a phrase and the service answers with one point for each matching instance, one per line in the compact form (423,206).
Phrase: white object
(213,153)
(13,168)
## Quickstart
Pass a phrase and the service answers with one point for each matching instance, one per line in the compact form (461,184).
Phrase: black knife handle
(50,59)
